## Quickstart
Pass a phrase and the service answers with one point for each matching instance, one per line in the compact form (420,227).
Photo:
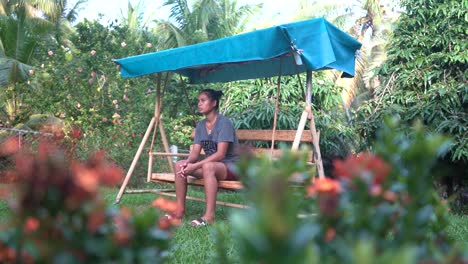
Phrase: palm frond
(179,11)
(72,14)
(12,71)
(174,36)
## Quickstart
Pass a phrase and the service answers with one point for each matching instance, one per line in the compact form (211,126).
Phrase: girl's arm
(217,156)
(194,153)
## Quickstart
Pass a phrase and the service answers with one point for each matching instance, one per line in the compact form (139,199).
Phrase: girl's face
(205,104)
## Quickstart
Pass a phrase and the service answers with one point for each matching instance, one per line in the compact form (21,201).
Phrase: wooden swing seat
(245,137)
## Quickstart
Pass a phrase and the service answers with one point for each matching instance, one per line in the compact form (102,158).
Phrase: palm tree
(205,20)
(367,22)
(134,18)
(62,17)
(24,24)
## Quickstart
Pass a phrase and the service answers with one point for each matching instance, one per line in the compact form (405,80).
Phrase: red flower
(95,220)
(164,223)
(362,166)
(86,178)
(111,175)
(375,190)
(31,224)
(165,205)
(4,191)
(390,196)
(75,133)
(327,191)
(7,254)
(10,146)
(123,231)
(330,234)
(324,185)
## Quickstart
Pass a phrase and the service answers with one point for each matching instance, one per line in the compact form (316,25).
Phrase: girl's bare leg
(181,190)
(212,172)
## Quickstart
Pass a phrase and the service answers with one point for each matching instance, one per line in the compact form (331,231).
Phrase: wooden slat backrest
(247,135)
(266,135)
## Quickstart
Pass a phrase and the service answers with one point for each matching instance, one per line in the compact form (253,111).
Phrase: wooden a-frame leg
(166,145)
(135,160)
(315,142)
(300,130)
(307,113)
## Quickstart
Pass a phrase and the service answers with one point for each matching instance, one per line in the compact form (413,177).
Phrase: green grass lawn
(190,245)
(198,245)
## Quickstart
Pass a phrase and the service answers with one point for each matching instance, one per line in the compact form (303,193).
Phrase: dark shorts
(231,176)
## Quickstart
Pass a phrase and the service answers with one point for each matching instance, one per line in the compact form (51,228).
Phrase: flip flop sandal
(199,222)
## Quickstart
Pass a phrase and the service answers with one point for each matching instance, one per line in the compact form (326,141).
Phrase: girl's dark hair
(213,95)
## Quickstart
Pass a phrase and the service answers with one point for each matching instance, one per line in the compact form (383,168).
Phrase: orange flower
(122,237)
(324,185)
(31,224)
(111,175)
(7,254)
(362,165)
(375,190)
(164,223)
(4,191)
(330,234)
(10,146)
(164,204)
(7,177)
(75,133)
(24,166)
(390,196)
(95,220)
(326,191)
(123,231)
(87,179)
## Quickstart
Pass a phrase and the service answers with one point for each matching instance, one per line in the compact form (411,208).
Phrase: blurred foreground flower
(169,207)
(10,146)
(366,166)
(324,185)
(327,193)
(57,199)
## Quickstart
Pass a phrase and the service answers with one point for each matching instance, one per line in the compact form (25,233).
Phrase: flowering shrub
(181,130)
(80,84)
(59,215)
(380,207)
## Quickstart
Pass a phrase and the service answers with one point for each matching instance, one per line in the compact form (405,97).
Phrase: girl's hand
(182,171)
(189,168)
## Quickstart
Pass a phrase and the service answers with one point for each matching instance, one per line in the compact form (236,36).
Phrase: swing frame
(289,49)
(156,124)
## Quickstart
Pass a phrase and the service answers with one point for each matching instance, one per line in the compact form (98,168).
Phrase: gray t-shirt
(223,131)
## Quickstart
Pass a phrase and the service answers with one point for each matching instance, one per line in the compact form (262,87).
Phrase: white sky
(273,11)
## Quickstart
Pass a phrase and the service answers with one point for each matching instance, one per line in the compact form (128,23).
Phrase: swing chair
(289,49)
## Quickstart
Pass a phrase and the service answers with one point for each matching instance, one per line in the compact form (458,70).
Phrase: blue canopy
(257,54)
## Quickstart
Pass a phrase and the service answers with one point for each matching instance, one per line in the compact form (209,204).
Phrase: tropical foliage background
(57,77)
(54,69)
